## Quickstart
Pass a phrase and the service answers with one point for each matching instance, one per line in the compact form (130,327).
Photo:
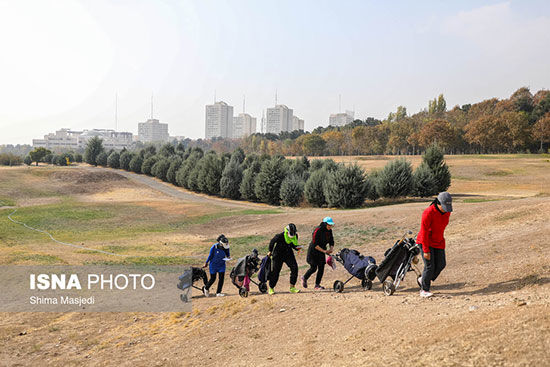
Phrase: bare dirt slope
(492,304)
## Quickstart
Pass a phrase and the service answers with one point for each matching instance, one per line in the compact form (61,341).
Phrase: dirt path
(177,192)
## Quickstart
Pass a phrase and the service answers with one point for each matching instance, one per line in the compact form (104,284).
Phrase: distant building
(111,139)
(341,119)
(152,131)
(219,120)
(297,123)
(61,139)
(243,125)
(66,139)
(278,118)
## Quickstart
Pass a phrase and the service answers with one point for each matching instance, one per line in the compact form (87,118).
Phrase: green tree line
(275,179)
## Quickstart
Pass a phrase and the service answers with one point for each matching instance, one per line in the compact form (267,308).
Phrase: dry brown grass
(497,266)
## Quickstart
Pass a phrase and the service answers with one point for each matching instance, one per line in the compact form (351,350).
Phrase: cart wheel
(243,292)
(183,298)
(338,286)
(388,287)
(262,287)
(366,284)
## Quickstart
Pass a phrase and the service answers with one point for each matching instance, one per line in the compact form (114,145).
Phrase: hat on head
(446,201)
(329,221)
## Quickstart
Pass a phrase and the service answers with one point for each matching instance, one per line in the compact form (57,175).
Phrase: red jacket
(432,227)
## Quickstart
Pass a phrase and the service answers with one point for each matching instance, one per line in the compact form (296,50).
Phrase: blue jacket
(215,259)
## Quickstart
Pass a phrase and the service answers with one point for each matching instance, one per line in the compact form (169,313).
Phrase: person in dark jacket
(281,248)
(430,238)
(219,254)
(322,236)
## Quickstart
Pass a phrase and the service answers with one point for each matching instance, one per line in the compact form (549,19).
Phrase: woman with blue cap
(219,255)
(317,251)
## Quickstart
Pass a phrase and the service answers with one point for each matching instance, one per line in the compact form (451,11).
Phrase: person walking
(219,255)
(281,249)
(322,236)
(432,241)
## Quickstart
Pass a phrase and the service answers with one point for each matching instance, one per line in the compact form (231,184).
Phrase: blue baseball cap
(328,220)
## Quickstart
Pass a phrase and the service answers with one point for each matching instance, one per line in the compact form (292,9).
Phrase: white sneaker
(425,294)
(419,281)
(206,292)
(220,295)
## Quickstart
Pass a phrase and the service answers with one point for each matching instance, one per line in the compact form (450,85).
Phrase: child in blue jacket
(219,254)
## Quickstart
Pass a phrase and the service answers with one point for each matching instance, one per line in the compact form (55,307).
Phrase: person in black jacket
(281,249)
(322,235)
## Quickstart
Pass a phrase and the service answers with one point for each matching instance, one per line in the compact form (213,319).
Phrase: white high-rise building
(219,120)
(279,118)
(341,119)
(297,123)
(243,125)
(152,130)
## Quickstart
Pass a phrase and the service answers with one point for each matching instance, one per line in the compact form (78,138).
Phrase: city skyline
(65,62)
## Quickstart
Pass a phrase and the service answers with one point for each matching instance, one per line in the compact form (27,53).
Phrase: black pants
(315,266)
(276,266)
(213,279)
(432,267)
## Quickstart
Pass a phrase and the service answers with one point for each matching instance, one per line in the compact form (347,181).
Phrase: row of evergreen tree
(276,180)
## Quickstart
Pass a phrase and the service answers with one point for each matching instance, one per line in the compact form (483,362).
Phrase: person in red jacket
(434,221)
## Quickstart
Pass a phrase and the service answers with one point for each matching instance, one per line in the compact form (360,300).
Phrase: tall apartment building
(219,120)
(341,119)
(297,123)
(152,131)
(66,139)
(279,118)
(243,125)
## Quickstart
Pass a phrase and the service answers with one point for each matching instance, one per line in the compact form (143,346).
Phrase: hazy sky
(62,61)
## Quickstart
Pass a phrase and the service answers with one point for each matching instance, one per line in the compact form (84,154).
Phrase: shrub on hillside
(292,190)
(424,183)
(210,174)
(231,180)
(93,150)
(113,160)
(395,180)
(124,160)
(183,173)
(167,150)
(148,164)
(101,159)
(315,165)
(238,156)
(372,183)
(160,169)
(247,184)
(78,158)
(346,187)
(299,168)
(135,163)
(267,185)
(330,165)
(435,160)
(314,189)
(193,177)
(28,160)
(173,169)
